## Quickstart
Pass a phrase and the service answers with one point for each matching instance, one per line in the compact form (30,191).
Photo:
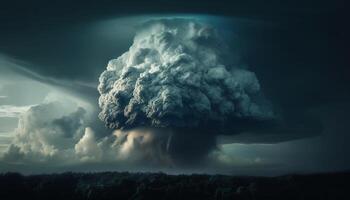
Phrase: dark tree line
(115,185)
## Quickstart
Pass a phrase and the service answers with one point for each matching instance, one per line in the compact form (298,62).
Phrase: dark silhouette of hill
(116,185)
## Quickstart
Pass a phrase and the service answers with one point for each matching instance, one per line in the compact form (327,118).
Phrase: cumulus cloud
(47,129)
(134,146)
(87,148)
(166,101)
(58,132)
(177,76)
(141,144)
(174,76)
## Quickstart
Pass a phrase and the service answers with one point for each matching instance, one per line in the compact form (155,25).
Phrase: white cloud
(87,148)
(12,111)
(57,132)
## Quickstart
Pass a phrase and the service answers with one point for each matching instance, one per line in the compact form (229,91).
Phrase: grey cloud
(24,87)
(68,124)
(193,90)
(178,76)
(45,130)
(174,76)
(57,132)
(143,146)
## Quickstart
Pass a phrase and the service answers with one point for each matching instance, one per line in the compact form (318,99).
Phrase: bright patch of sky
(12,111)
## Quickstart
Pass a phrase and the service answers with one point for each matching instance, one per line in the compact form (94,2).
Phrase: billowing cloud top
(174,75)
(46,129)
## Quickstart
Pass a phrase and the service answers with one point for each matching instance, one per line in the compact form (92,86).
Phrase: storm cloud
(174,75)
(178,76)
(57,132)
(292,61)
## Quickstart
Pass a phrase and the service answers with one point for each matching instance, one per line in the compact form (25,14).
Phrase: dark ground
(115,185)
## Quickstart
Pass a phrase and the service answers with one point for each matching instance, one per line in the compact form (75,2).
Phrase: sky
(53,70)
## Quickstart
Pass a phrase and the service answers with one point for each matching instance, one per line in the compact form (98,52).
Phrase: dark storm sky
(307,39)
(298,49)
